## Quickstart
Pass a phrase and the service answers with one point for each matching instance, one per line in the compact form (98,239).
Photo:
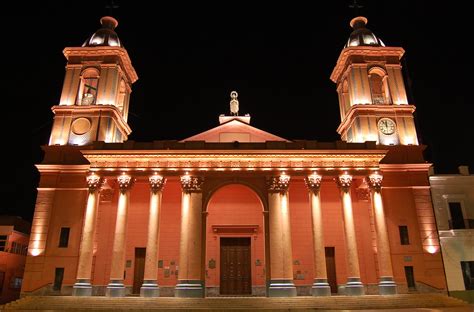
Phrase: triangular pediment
(235,130)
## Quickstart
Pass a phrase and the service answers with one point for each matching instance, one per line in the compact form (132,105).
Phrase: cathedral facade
(234,210)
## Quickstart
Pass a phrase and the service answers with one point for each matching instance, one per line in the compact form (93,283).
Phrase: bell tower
(372,97)
(96,91)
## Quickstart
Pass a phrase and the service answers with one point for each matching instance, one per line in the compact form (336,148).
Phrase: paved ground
(456,309)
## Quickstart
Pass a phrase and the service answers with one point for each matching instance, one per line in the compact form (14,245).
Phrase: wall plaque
(212,264)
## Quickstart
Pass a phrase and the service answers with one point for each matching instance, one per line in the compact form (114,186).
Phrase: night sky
(278,57)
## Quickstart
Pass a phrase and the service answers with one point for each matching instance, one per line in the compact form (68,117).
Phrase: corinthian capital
(374,181)
(94,182)
(344,182)
(313,182)
(190,184)
(278,184)
(157,183)
(125,182)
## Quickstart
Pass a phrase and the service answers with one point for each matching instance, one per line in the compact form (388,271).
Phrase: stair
(99,303)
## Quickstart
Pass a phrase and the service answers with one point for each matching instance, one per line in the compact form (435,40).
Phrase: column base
(320,287)
(387,286)
(354,287)
(149,289)
(82,287)
(281,288)
(189,289)
(115,289)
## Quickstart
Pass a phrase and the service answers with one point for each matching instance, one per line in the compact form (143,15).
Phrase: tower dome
(106,35)
(361,36)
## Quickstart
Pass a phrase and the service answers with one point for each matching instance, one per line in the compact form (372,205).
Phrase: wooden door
(139,269)
(410,277)
(58,278)
(235,266)
(331,268)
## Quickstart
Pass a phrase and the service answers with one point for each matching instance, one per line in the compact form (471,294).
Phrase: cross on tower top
(356,7)
(111,6)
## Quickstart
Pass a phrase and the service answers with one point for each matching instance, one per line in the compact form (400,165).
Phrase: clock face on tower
(386,126)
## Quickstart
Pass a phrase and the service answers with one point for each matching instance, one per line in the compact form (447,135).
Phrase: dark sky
(278,57)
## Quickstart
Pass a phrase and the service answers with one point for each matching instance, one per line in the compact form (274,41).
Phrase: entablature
(242,160)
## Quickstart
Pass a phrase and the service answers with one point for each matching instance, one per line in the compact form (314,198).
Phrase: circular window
(81,126)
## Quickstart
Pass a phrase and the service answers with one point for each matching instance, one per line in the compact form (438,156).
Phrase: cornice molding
(346,53)
(121,53)
(395,110)
(94,109)
(42,168)
(221,160)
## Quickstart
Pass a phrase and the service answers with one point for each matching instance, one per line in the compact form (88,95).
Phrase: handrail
(426,284)
(36,289)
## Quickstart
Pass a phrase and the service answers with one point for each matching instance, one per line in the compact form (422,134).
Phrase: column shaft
(320,284)
(116,288)
(318,237)
(350,236)
(118,249)
(190,283)
(353,286)
(150,284)
(386,284)
(83,286)
(281,259)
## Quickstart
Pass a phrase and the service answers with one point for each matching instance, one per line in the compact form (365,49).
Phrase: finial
(109,22)
(234,103)
(358,22)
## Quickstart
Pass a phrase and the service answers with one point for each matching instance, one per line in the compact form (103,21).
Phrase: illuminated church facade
(234,210)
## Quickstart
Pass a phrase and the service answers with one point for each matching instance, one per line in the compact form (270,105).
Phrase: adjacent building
(14,238)
(453,201)
(234,210)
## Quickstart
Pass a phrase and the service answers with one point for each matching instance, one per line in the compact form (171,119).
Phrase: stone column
(83,286)
(190,283)
(281,259)
(115,288)
(150,283)
(386,284)
(354,286)
(320,284)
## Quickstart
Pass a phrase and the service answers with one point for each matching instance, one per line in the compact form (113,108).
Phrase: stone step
(68,303)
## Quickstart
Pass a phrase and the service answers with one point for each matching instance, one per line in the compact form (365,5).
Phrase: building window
(467,268)
(64,237)
(379,86)
(18,248)
(404,239)
(457,218)
(2,279)
(122,94)
(88,88)
(3,242)
(16,282)
(13,247)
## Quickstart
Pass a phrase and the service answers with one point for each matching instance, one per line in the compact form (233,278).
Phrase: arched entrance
(235,242)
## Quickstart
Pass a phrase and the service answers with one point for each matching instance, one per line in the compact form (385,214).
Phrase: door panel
(139,270)
(410,277)
(331,268)
(58,278)
(235,267)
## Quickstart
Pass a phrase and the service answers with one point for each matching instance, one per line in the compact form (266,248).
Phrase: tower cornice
(347,53)
(120,53)
(375,110)
(91,110)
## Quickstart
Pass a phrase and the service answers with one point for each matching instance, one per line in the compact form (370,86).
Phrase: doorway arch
(235,249)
